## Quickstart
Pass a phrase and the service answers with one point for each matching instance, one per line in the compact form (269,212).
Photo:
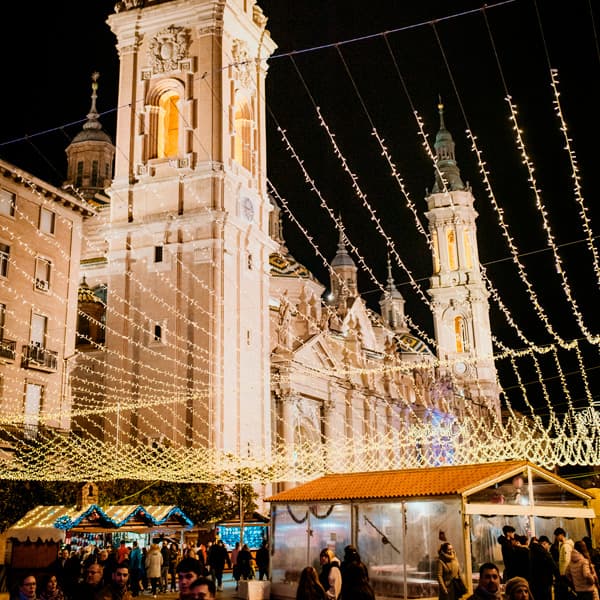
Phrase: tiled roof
(434,481)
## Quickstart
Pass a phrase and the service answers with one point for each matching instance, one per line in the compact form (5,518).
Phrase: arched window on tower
(451,244)
(460,334)
(242,148)
(168,125)
(163,122)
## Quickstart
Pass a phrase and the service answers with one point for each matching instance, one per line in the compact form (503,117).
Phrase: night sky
(334,55)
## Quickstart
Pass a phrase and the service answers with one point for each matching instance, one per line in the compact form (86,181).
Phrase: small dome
(406,342)
(92,135)
(283,264)
(85,295)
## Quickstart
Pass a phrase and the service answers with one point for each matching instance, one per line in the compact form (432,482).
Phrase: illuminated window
(47,220)
(460,334)
(468,251)
(436,252)
(7,203)
(42,274)
(243,131)
(451,244)
(168,125)
(33,404)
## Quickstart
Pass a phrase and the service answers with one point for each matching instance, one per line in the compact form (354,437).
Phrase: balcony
(8,349)
(36,357)
(42,284)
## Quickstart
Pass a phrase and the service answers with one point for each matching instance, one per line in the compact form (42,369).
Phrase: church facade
(198,330)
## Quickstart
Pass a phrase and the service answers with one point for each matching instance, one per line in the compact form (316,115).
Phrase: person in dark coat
(217,558)
(352,557)
(506,545)
(262,561)
(489,583)
(542,569)
(520,557)
(355,582)
(92,582)
(244,563)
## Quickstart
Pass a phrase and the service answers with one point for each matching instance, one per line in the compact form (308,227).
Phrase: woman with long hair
(448,571)
(581,573)
(50,590)
(309,586)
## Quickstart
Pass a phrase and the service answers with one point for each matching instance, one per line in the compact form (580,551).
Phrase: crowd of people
(347,579)
(125,572)
(534,569)
(560,570)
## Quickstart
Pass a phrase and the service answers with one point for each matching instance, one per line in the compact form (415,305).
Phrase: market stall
(398,519)
(33,542)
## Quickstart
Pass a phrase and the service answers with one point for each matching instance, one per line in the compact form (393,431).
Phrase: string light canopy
(545,421)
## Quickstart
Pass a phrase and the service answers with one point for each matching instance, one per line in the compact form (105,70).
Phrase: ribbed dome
(85,295)
(283,264)
(406,342)
(92,135)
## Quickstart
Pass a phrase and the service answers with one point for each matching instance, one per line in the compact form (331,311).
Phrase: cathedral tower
(460,299)
(186,358)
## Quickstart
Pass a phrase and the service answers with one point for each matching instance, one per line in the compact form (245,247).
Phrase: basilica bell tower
(185,261)
(459,296)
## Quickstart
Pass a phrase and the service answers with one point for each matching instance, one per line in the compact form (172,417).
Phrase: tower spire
(392,303)
(343,276)
(90,155)
(445,159)
(92,116)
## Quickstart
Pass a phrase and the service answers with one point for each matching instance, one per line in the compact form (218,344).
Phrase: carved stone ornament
(242,62)
(128,5)
(168,48)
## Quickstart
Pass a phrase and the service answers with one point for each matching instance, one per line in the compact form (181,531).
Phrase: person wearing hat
(517,588)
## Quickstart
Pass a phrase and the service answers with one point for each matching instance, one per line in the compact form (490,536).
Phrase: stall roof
(50,522)
(410,483)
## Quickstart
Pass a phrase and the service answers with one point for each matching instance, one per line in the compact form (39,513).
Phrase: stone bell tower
(460,299)
(186,261)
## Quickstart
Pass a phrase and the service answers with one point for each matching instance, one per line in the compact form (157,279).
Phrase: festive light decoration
(571,438)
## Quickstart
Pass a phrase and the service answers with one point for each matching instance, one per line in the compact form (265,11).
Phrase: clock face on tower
(460,368)
(247,209)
